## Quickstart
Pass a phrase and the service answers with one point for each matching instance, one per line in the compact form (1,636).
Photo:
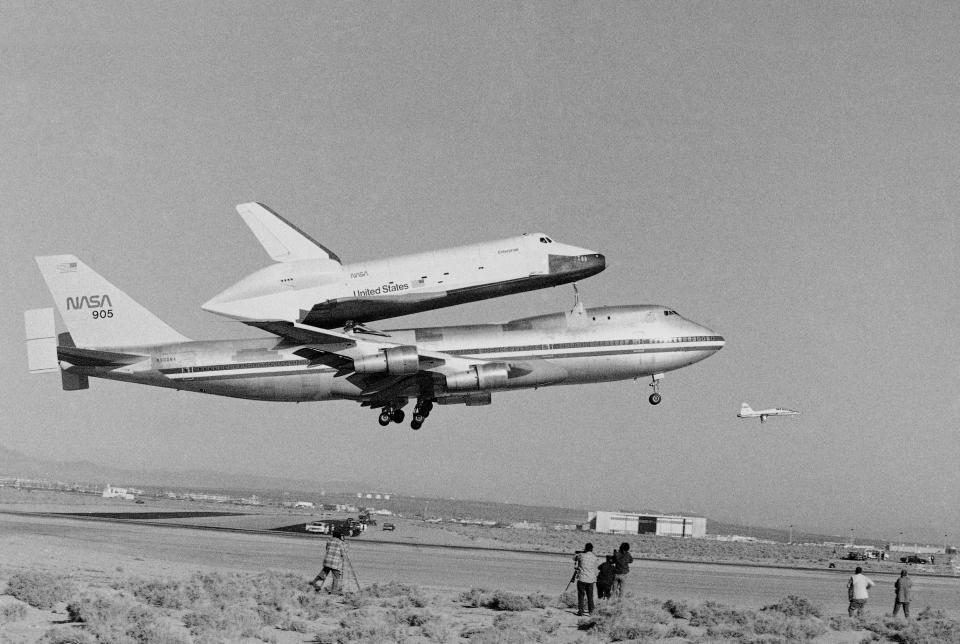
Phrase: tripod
(346,560)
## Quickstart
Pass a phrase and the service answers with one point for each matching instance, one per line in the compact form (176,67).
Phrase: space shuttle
(309,284)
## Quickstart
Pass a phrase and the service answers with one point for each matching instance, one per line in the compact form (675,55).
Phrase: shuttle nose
(219,304)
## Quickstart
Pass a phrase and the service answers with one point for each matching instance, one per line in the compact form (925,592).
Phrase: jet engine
(396,361)
(479,376)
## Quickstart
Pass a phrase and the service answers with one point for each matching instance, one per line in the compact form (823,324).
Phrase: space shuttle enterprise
(310,285)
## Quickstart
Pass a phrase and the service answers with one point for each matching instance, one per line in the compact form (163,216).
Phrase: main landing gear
(394,414)
(391,413)
(655,397)
(420,412)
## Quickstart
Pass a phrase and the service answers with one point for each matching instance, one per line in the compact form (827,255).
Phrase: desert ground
(177,580)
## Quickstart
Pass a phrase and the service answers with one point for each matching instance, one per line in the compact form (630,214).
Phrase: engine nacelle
(479,376)
(396,361)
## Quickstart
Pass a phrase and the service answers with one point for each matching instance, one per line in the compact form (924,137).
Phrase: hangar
(661,525)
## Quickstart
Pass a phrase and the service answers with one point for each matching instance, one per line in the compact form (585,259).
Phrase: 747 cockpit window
(667,312)
(546,240)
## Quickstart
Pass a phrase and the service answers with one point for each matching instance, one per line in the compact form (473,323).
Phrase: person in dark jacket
(623,559)
(606,574)
(902,597)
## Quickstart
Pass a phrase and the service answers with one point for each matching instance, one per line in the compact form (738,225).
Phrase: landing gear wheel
(416,424)
(384,419)
(397,416)
(655,399)
(426,408)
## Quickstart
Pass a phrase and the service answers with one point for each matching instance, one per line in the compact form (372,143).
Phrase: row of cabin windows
(529,347)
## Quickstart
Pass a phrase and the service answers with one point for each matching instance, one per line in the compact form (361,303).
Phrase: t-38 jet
(309,284)
(747,412)
(111,336)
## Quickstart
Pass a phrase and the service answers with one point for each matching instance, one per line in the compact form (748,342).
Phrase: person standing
(857,588)
(623,560)
(585,564)
(606,574)
(332,563)
(902,597)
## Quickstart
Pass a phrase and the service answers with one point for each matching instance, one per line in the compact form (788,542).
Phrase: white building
(111,492)
(657,524)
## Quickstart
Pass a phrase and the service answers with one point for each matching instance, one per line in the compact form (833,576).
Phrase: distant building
(660,525)
(111,492)
(527,525)
(918,549)
(303,504)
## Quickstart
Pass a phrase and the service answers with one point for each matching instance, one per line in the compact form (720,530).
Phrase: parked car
(388,526)
(856,555)
(318,527)
(914,559)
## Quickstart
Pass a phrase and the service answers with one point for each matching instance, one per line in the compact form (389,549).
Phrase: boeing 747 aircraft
(747,412)
(308,283)
(111,336)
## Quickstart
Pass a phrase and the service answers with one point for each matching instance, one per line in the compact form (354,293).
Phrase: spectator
(332,563)
(902,594)
(623,560)
(857,592)
(606,574)
(586,573)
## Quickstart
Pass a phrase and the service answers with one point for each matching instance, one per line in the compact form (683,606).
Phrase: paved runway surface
(454,568)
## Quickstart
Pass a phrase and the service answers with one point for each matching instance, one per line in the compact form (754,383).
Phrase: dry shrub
(40,590)
(117,619)
(713,614)
(12,613)
(411,617)
(930,626)
(509,628)
(794,606)
(502,600)
(472,598)
(631,619)
(228,621)
(569,599)
(174,595)
(360,626)
(679,609)
(790,628)
(67,635)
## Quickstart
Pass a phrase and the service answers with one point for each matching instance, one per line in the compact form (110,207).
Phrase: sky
(787,174)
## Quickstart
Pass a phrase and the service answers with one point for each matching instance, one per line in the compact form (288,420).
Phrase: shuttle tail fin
(283,241)
(96,312)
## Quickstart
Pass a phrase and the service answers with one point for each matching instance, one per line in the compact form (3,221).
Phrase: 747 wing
(389,373)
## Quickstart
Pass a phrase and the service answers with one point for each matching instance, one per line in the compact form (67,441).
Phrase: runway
(102,548)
